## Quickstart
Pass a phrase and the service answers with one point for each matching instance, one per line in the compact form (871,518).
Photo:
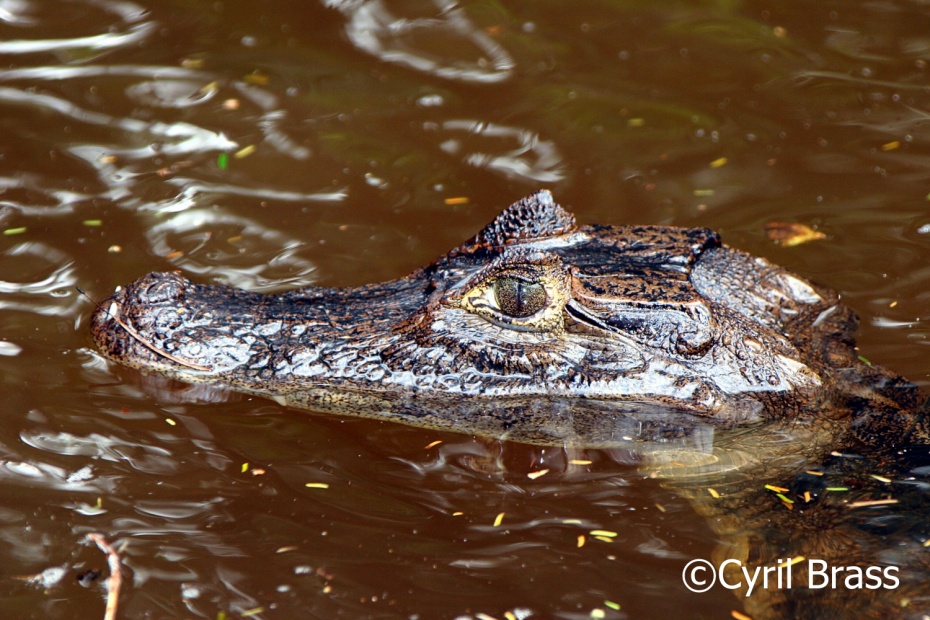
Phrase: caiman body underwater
(718,366)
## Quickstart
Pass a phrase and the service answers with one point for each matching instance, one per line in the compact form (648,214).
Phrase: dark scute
(535,217)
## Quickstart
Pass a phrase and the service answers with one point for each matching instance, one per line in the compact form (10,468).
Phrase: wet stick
(116,575)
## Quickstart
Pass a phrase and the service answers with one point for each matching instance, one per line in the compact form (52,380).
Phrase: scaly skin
(720,368)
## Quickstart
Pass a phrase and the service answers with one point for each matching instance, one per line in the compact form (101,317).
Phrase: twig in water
(132,332)
(116,575)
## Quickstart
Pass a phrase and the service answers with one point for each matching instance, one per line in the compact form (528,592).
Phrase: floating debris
(873,502)
(116,575)
(499,519)
(790,234)
(244,152)
(533,475)
(316,485)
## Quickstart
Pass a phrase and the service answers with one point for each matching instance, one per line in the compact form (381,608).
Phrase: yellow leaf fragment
(719,162)
(256,79)
(581,540)
(738,615)
(772,487)
(244,468)
(499,519)
(790,234)
(317,485)
(713,492)
(580,462)
(891,146)
(455,200)
(244,152)
(432,444)
(533,475)
(606,533)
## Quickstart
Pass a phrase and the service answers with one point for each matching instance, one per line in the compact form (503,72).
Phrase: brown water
(281,143)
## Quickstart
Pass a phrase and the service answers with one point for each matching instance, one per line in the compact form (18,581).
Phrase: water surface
(283,143)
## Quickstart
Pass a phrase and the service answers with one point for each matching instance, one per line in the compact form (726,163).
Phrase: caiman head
(513,333)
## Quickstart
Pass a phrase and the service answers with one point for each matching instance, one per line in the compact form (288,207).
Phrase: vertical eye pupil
(519,299)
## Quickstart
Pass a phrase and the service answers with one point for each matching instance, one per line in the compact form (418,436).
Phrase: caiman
(734,379)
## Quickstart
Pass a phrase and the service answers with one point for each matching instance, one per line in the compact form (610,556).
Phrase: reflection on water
(439,44)
(275,144)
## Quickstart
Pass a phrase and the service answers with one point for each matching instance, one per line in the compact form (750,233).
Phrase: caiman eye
(524,292)
(518,298)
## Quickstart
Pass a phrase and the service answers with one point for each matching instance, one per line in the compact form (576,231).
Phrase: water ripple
(234,249)
(143,457)
(524,155)
(132,30)
(50,291)
(373,29)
